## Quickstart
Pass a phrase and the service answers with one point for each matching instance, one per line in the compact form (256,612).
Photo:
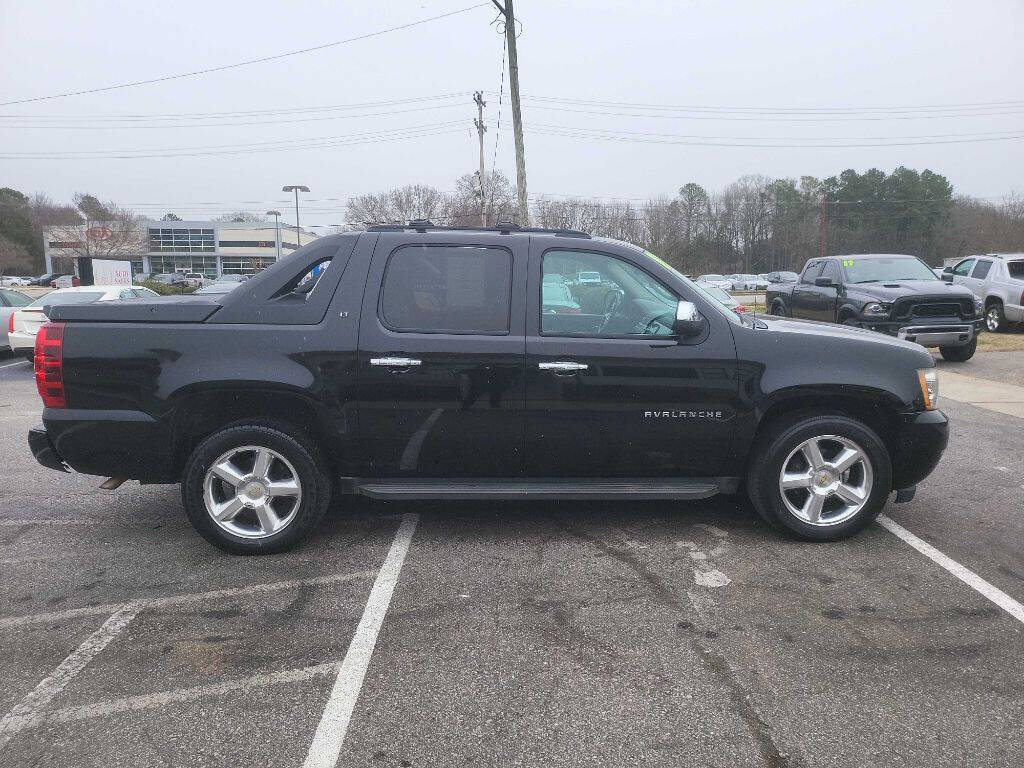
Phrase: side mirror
(947,276)
(688,320)
(825,282)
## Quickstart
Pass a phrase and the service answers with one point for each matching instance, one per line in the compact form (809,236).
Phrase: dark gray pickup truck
(893,294)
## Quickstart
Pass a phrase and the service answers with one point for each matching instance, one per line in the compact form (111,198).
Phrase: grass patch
(1001,342)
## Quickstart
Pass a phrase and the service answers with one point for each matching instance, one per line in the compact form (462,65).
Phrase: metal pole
(823,234)
(298,236)
(478,97)
(517,118)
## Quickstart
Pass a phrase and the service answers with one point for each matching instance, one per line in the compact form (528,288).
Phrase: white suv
(998,280)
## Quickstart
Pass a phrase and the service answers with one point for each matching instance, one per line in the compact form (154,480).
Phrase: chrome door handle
(562,366)
(395,362)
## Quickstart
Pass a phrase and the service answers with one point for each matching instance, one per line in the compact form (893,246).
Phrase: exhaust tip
(112,482)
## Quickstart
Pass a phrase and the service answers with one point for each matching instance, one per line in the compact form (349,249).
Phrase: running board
(504,489)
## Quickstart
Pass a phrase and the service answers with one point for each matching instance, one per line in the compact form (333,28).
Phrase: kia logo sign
(97,233)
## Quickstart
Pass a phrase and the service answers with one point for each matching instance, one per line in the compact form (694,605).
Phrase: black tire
(302,454)
(850,321)
(29,354)
(960,354)
(776,444)
(995,318)
(778,310)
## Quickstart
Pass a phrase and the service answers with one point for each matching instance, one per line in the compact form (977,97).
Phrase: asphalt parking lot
(544,634)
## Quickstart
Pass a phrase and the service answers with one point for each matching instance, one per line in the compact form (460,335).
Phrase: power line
(260,60)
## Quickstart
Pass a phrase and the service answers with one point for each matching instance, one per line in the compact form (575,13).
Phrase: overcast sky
(754,61)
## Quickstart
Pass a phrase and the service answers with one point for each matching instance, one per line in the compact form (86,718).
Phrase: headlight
(876,310)
(929,379)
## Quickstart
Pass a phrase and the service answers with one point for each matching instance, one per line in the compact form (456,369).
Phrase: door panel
(447,403)
(627,406)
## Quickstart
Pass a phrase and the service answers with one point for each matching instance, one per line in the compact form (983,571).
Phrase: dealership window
(247,244)
(244,265)
(180,240)
(447,289)
(204,265)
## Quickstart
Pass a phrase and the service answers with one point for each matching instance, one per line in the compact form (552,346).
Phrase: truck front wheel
(819,478)
(252,489)
(960,354)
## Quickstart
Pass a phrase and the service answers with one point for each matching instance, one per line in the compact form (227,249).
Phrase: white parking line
(330,733)
(53,522)
(164,698)
(36,701)
(162,602)
(966,575)
(11,365)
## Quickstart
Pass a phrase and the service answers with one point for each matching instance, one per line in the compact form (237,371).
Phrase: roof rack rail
(422,225)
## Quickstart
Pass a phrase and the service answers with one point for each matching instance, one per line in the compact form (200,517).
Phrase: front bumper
(922,440)
(939,333)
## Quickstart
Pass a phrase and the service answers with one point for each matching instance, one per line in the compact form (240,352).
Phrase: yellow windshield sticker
(847,262)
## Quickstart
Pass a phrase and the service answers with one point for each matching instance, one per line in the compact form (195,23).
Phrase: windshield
(881,270)
(74,297)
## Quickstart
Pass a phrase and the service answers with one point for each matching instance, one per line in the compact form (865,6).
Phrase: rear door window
(981,270)
(447,289)
(1016,269)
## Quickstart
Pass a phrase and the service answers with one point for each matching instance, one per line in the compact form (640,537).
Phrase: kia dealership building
(211,248)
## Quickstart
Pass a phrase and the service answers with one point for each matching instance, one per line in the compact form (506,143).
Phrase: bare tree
(116,235)
(237,216)
(14,258)
(397,206)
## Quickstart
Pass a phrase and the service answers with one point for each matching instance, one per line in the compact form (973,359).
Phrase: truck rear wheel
(251,489)
(820,478)
(960,354)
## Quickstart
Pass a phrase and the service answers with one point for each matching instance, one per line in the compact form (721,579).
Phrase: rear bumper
(129,444)
(19,340)
(922,440)
(942,332)
(41,447)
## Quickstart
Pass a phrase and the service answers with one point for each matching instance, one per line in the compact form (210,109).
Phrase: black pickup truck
(428,363)
(890,293)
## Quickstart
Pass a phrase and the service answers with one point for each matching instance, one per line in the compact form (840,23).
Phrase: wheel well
(846,313)
(881,420)
(992,300)
(202,414)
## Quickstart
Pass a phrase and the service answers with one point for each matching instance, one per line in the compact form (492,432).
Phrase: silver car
(998,280)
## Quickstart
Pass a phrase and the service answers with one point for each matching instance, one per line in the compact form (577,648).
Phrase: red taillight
(48,365)
(1022,297)
(10,323)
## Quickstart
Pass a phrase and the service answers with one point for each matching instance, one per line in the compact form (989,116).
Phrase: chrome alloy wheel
(826,480)
(252,492)
(992,319)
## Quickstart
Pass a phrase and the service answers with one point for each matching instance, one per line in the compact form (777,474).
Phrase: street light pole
(277,228)
(296,188)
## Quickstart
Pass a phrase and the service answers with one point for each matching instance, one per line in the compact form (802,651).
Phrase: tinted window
(963,268)
(72,297)
(1016,269)
(811,271)
(447,289)
(831,270)
(15,299)
(594,294)
(981,271)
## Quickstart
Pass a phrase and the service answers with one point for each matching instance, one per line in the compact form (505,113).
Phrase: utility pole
(481,129)
(517,118)
(823,235)
(296,188)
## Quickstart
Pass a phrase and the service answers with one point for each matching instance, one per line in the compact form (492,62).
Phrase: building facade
(210,248)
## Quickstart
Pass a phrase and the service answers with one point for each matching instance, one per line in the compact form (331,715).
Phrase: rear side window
(447,289)
(981,271)
(1016,269)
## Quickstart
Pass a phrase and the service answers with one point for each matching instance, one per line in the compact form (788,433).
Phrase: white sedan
(25,322)
(10,302)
